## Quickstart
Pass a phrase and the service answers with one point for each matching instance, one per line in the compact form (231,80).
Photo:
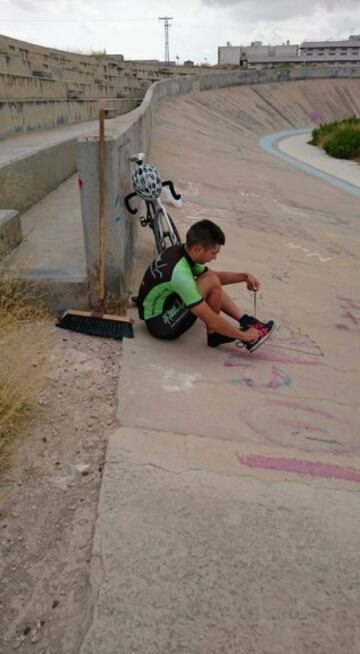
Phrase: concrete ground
(229,512)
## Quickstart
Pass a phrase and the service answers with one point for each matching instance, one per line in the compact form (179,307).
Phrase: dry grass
(23,348)
(18,388)
(20,302)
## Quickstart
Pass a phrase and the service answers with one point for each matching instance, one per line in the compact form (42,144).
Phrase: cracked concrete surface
(229,511)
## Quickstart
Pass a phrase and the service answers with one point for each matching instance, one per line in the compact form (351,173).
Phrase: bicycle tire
(154,226)
(165,239)
(177,238)
(161,246)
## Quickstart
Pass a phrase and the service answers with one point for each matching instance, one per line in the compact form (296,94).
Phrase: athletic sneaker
(214,339)
(247,321)
(264,329)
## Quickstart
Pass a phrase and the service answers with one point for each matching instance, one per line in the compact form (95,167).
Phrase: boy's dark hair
(204,233)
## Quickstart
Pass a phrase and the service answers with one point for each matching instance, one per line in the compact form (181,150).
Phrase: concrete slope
(229,511)
(240,115)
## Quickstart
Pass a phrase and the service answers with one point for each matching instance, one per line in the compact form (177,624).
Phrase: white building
(258,55)
(332,51)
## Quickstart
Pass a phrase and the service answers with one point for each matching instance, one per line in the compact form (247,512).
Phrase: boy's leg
(210,288)
(229,307)
(226,304)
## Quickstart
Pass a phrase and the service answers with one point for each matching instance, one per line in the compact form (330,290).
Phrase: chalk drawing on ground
(301,467)
(174,381)
(288,345)
(301,424)
(350,313)
(260,379)
(308,253)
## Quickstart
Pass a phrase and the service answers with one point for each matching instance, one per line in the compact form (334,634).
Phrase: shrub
(345,144)
(339,139)
(320,134)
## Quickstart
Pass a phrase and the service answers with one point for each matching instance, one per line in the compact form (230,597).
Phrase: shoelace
(261,329)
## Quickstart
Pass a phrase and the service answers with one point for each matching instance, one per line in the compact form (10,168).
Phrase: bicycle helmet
(146,182)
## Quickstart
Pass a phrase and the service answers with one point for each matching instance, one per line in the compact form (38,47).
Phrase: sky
(198,26)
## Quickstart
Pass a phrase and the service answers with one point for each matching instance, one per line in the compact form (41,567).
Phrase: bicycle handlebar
(170,184)
(130,209)
(133,210)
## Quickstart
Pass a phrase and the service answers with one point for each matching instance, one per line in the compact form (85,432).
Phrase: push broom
(98,322)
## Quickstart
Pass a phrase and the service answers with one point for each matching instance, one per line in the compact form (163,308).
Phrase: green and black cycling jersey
(171,275)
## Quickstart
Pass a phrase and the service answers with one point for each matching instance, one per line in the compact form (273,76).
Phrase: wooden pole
(101,208)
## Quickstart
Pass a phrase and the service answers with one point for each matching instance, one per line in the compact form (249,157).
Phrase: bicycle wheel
(165,231)
(155,225)
(175,237)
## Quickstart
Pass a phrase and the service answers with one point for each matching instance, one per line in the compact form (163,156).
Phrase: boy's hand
(252,283)
(251,335)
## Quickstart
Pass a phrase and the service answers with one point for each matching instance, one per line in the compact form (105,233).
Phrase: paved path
(229,511)
(292,146)
(298,147)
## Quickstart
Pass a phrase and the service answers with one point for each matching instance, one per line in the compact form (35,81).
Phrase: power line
(167,24)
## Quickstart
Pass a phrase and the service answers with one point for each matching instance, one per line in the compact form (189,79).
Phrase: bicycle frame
(157,217)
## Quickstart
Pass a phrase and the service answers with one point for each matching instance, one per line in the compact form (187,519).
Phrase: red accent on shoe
(258,325)
(261,329)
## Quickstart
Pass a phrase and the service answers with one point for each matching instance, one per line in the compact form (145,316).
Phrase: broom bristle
(96,325)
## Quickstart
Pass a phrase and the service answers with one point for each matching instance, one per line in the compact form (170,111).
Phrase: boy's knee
(212,279)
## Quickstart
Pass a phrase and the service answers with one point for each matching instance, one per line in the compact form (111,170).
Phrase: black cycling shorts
(175,320)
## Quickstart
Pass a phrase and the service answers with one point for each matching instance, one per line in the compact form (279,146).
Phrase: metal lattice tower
(167,24)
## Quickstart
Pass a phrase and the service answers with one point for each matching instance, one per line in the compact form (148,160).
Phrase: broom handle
(102,208)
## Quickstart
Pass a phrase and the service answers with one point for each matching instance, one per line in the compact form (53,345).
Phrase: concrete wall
(25,181)
(35,115)
(29,72)
(30,88)
(132,134)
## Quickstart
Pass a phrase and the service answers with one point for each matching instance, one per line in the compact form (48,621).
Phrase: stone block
(10,231)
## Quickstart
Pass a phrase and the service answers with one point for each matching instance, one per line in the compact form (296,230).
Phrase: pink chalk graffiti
(288,346)
(278,379)
(301,467)
(272,354)
(301,425)
(299,420)
(315,117)
(351,310)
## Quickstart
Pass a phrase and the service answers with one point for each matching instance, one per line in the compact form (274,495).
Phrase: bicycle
(157,218)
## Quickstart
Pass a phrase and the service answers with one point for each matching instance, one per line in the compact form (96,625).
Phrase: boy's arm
(216,323)
(251,281)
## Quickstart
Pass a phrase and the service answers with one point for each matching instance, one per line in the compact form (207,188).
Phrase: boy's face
(205,255)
